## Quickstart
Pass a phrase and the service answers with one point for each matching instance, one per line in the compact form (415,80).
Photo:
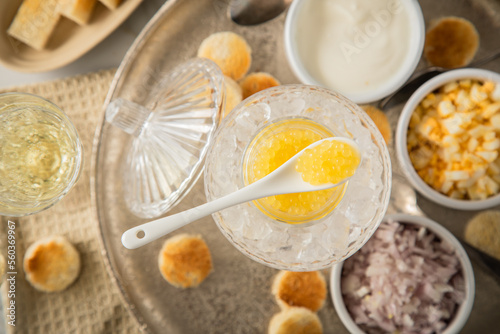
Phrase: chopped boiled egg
(454,139)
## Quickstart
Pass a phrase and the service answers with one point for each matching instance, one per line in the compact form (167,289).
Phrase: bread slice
(111,4)
(78,11)
(381,121)
(185,260)
(295,320)
(234,95)
(257,81)
(451,42)
(34,22)
(483,232)
(229,51)
(51,264)
(304,289)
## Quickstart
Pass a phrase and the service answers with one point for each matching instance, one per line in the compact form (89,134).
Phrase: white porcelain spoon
(283,180)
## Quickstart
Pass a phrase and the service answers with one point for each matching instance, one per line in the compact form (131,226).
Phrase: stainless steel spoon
(252,12)
(488,261)
(419,78)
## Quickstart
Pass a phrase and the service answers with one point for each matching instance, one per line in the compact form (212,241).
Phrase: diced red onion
(404,279)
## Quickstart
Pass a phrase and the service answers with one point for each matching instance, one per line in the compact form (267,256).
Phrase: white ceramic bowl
(398,76)
(401,140)
(465,308)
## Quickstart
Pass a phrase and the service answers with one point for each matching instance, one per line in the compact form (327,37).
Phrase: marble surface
(107,54)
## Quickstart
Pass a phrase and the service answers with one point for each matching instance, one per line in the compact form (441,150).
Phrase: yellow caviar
(279,143)
(329,162)
(280,148)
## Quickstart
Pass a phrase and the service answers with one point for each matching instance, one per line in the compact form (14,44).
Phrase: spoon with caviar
(324,164)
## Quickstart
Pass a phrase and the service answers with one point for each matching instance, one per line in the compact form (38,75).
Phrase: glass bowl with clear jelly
(301,231)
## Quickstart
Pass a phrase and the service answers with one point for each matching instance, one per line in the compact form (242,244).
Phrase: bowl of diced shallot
(412,276)
(448,139)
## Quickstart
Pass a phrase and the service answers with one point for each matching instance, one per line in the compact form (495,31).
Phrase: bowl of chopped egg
(448,139)
(412,276)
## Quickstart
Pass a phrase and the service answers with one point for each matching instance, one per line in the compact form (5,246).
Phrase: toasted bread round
(255,82)
(380,119)
(185,260)
(304,289)
(233,95)
(228,50)
(295,320)
(451,42)
(483,232)
(51,264)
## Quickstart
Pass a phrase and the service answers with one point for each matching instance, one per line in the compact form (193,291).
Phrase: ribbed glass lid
(170,139)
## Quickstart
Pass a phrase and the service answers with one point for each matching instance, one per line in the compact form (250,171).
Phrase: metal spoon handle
(419,78)
(404,93)
(485,60)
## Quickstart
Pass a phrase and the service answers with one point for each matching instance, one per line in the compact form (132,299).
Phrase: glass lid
(169,136)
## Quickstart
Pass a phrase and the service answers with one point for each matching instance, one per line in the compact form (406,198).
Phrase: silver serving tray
(236,297)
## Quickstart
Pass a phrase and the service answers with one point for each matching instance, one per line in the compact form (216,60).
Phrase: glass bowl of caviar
(303,231)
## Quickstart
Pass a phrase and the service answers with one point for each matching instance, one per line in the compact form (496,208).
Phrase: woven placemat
(92,304)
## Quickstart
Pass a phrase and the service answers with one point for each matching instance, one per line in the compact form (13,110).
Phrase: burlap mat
(92,304)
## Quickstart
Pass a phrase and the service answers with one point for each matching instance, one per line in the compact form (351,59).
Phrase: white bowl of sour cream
(363,49)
